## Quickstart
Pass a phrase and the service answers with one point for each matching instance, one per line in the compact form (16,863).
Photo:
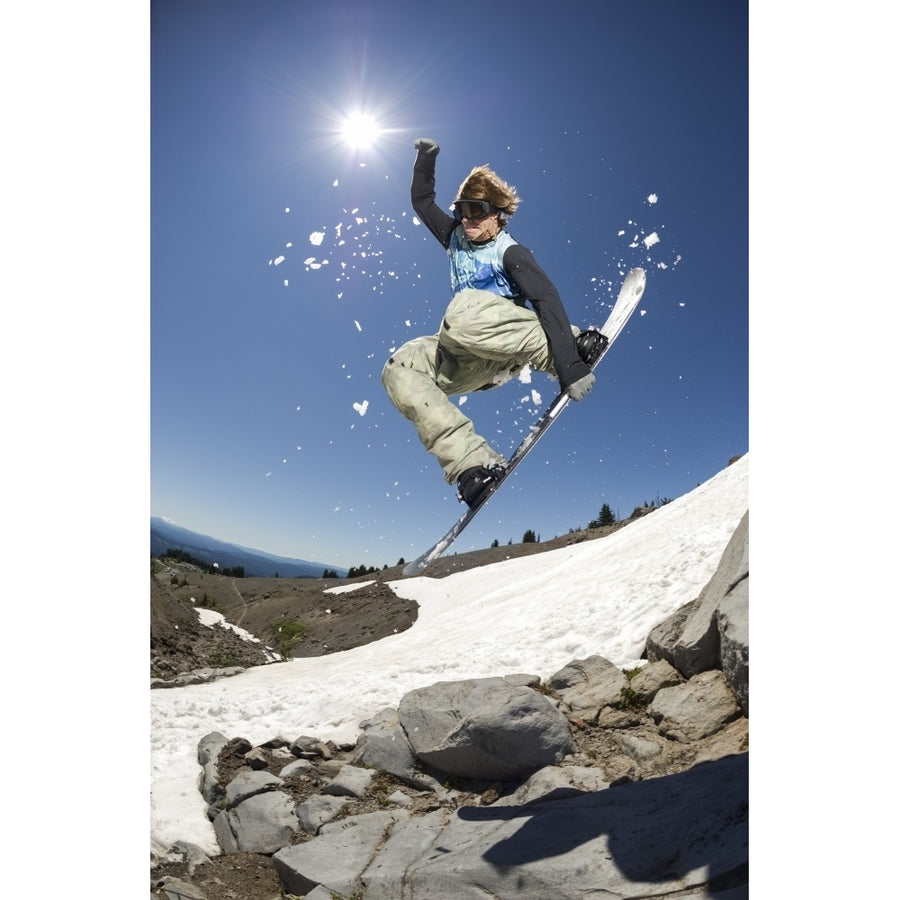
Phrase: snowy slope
(529,615)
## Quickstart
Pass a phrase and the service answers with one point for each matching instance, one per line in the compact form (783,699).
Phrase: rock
(732,620)
(337,858)
(249,783)
(681,835)
(640,750)
(262,823)
(256,759)
(554,783)
(589,685)
(297,767)
(307,747)
(696,709)
(691,638)
(409,842)
(398,798)
(315,812)
(351,781)
(176,889)
(208,755)
(652,678)
(485,729)
(383,745)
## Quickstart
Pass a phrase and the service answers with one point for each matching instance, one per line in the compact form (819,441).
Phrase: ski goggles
(474,209)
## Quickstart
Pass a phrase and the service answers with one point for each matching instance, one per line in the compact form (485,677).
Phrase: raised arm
(422,194)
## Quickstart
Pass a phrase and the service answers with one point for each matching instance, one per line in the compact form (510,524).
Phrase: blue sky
(287,264)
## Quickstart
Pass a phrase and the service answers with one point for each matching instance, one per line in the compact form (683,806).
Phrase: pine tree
(606,515)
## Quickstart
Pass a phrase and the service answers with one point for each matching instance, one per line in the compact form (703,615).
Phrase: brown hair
(483,183)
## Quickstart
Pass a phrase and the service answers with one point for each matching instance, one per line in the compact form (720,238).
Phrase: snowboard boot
(591,344)
(474,483)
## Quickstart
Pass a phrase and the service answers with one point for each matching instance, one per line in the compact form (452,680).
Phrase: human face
(481,226)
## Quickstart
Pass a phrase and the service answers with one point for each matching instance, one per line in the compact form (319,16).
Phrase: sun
(359,130)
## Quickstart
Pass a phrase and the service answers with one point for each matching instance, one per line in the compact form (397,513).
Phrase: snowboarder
(488,334)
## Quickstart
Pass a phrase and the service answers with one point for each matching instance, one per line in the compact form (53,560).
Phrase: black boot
(591,344)
(474,483)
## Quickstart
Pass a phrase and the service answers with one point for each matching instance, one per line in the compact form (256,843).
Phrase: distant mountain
(166,536)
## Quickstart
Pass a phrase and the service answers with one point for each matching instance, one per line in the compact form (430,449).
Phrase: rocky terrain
(626,737)
(179,644)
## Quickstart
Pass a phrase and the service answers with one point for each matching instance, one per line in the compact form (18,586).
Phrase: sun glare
(359,130)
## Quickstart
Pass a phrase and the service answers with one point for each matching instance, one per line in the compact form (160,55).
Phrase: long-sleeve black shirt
(520,266)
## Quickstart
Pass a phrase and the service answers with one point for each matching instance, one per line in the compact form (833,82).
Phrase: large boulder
(484,729)
(712,631)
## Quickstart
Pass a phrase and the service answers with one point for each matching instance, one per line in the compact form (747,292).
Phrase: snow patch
(210,618)
(346,588)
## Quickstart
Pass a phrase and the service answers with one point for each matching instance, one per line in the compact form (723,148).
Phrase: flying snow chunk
(361,408)
(278,260)
(358,326)
(652,198)
(316,238)
(651,239)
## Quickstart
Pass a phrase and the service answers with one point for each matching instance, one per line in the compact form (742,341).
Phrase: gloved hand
(579,390)
(427,145)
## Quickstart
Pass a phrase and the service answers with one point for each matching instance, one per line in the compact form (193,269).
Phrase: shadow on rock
(654,831)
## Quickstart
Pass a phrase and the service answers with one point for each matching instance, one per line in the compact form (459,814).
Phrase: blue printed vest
(480,265)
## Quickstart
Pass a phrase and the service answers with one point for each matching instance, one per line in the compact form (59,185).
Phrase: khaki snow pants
(484,341)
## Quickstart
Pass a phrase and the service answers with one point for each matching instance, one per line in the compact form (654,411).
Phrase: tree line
(208,568)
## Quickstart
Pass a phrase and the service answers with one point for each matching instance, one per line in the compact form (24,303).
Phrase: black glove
(427,145)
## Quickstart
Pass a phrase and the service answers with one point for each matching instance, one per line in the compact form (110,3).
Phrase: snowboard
(626,303)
